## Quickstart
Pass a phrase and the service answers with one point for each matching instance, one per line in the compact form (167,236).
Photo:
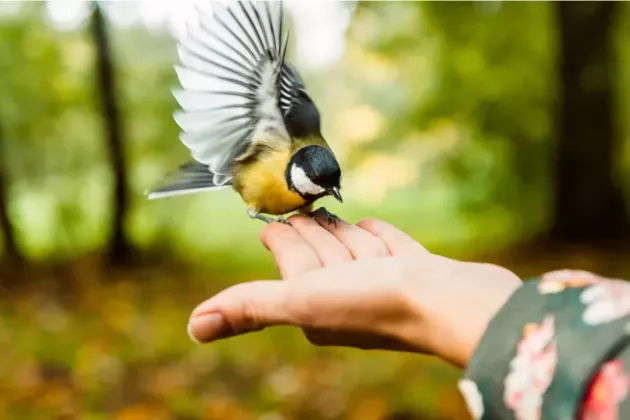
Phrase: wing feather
(234,83)
(194,59)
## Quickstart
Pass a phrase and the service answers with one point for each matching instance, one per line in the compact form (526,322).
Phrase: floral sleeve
(558,349)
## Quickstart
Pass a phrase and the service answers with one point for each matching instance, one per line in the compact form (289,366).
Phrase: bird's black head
(314,172)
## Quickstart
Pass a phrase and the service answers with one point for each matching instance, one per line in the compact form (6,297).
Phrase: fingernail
(190,333)
(205,328)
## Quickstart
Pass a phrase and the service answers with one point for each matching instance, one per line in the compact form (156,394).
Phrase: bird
(246,116)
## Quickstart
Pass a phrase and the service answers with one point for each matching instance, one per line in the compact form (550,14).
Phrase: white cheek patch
(302,182)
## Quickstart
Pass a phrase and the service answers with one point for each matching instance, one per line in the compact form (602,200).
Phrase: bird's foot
(253,214)
(283,220)
(326,215)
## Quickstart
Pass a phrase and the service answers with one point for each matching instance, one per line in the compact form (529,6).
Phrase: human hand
(366,286)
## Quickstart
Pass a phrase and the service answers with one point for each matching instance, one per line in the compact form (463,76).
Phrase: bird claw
(282,220)
(326,215)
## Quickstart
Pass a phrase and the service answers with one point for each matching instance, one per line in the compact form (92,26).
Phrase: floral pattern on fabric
(557,281)
(609,387)
(473,398)
(605,302)
(558,349)
(532,370)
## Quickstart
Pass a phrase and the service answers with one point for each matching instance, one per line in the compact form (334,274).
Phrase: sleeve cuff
(543,347)
(489,365)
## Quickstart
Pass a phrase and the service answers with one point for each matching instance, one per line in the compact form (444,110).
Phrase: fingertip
(371,224)
(273,229)
(397,241)
(206,328)
(291,252)
(191,334)
(302,222)
(299,219)
(322,241)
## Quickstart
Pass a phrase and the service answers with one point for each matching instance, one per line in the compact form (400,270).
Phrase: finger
(243,308)
(326,245)
(321,301)
(292,254)
(360,243)
(397,242)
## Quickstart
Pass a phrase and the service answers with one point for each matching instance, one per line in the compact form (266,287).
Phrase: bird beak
(335,193)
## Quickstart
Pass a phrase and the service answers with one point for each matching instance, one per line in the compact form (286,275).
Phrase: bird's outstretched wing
(234,82)
(236,88)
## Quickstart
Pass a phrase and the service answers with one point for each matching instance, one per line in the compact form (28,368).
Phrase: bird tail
(191,178)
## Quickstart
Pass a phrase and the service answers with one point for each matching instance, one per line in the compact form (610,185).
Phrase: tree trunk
(9,245)
(120,248)
(589,206)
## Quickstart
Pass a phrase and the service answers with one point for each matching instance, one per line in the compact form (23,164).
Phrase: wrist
(495,286)
(453,304)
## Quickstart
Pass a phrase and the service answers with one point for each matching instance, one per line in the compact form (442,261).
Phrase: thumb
(240,309)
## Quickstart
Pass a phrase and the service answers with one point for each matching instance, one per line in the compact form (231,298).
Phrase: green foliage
(478,78)
(453,101)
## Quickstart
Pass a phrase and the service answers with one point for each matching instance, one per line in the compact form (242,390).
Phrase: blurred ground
(85,342)
(79,343)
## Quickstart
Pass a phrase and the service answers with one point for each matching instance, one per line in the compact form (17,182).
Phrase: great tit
(246,117)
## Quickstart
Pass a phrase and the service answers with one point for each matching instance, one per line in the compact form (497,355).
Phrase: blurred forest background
(488,130)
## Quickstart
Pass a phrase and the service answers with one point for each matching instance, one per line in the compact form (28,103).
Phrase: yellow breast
(263,187)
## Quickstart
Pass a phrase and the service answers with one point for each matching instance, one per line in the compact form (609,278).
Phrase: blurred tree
(120,246)
(589,206)
(9,245)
